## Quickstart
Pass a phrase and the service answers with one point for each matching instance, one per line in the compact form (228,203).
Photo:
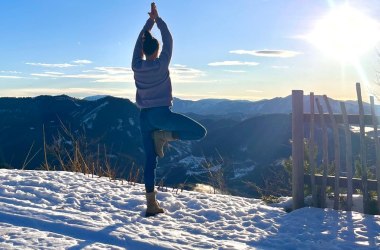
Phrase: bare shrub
(72,152)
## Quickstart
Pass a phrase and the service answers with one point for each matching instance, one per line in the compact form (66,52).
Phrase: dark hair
(150,44)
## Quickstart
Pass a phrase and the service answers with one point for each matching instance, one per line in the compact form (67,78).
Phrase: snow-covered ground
(60,210)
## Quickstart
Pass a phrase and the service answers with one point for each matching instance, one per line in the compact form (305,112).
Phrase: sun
(345,33)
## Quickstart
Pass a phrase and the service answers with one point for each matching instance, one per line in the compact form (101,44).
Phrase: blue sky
(235,49)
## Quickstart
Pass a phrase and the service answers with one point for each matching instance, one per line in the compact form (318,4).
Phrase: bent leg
(184,127)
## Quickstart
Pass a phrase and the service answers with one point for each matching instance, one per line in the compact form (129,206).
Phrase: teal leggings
(162,118)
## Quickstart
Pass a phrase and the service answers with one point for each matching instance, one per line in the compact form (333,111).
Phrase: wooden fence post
(297,149)
(311,153)
(336,153)
(363,152)
(377,148)
(348,156)
(325,159)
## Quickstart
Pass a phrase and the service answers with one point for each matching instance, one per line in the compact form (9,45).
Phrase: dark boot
(152,206)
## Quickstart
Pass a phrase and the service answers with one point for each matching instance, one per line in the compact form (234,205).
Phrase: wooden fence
(320,182)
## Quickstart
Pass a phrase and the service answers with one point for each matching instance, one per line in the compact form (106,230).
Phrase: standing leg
(150,155)
(152,206)
(150,161)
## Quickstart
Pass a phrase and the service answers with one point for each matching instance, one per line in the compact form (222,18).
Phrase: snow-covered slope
(60,210)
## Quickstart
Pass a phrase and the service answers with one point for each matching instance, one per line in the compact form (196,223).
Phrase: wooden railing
(319,183)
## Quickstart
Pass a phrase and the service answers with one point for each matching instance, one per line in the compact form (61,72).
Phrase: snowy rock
(91,116)
(131,121)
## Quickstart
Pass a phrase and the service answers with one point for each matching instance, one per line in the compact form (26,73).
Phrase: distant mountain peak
(95,97)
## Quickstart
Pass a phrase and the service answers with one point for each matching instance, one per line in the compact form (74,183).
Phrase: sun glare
(345,34)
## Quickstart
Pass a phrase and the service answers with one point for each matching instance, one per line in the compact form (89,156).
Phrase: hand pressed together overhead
(153,14)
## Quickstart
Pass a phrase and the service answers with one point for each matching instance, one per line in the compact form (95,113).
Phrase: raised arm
(137,53)
(167,40)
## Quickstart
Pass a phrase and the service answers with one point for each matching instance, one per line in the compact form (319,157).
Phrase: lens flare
(345,33)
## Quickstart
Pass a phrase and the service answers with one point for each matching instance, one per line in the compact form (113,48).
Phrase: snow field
(63,210)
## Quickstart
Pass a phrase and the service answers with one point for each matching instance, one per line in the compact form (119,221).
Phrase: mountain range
(278,105)
(243,138)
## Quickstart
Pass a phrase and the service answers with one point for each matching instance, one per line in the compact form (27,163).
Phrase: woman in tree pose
(158,123)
